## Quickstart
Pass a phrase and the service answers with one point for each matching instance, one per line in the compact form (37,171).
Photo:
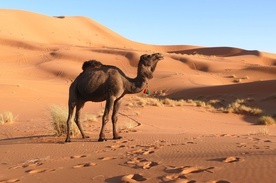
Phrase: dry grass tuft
(6,117)
(151,101)
(127,126)
(239,107)
(91,118)
(266,120)
(59,116)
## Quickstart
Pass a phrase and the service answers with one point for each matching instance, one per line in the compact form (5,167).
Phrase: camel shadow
(30,139)
(46,139)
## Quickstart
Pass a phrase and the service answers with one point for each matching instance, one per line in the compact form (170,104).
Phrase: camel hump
(91,64)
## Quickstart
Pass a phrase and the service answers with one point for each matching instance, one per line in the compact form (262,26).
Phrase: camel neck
(137,84)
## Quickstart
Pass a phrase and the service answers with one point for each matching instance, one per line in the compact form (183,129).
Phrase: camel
(99,82)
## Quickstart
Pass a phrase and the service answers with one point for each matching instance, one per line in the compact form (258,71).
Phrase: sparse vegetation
(91,118)
(6,117)
(59,116)
(150,101)
(127,126)
(266,120)
(239,106)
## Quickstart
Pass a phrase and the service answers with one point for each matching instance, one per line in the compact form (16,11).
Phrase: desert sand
(42,55)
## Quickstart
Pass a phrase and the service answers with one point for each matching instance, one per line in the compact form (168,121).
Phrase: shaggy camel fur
(99,82)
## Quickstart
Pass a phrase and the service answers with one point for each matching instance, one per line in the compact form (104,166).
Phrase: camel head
(147,64)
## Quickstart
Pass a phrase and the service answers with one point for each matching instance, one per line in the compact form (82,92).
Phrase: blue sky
(248,24)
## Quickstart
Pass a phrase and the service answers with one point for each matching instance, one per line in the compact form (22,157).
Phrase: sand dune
(41,55)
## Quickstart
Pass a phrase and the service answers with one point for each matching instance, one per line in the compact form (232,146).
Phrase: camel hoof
(102,140)
(67,140)
(116,138)
(86,137)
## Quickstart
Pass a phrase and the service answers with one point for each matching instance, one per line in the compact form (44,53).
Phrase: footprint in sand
(184,170)
(241,145)
(82,165)
(179,174)
(40,170)
(141,163)
(9,181)
(116,146)
(218,181)
(142,151)
(133,178)
(25,165)
(78,156)
(231,159)
(106,158)
(175,178)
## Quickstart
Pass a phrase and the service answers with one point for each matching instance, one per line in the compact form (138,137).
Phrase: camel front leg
(108,108)
(115,119)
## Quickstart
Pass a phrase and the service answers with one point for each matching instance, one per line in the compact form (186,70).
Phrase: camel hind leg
(71,107)
(79,106)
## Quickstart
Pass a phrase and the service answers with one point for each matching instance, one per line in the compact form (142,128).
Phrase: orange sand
(41,55)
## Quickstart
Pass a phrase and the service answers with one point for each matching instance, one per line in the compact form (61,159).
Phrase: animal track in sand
(218,181)
(254,145)
(116,146)
(78,156)
(9,181)
(27,164)
(184,170)
(40,170)
(106,158)
(133,178)
(82,165)
(231,159)
(242,144)
(142,150)
(141,163)
(179,174)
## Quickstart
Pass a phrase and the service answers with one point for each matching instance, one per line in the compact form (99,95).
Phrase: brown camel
(100,82)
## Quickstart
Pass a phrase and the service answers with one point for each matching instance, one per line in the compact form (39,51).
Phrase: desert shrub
(59,116)
(127,126)
(6,117)
(145,101)
(91,118)
(239,106)
(266,120)
(168,102)
(180,103)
